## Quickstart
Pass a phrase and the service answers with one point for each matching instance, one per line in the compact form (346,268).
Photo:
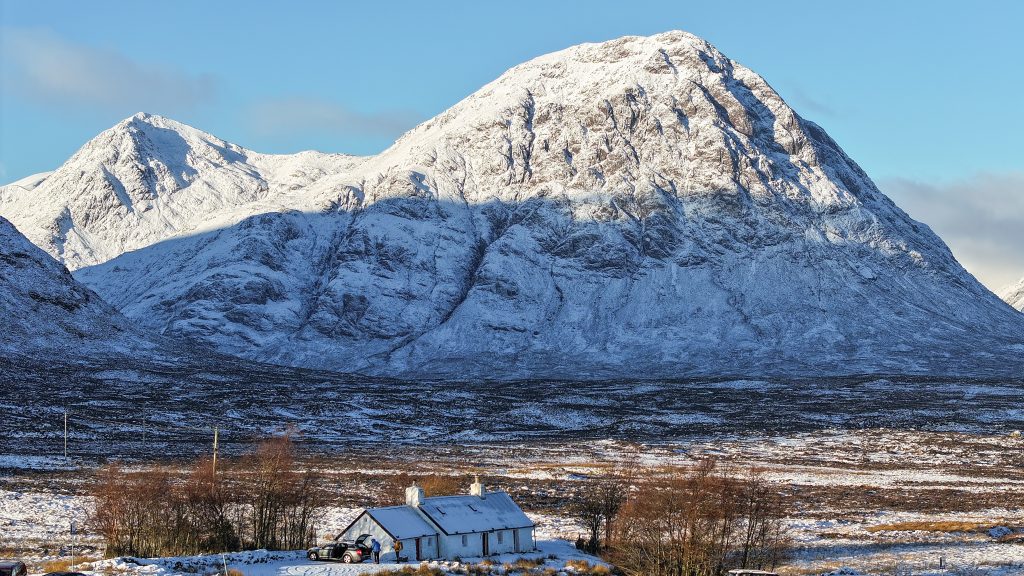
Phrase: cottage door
(487,544)
(419,549)
(515,541)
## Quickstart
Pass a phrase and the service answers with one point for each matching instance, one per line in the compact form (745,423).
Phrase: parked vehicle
(348,551)
(13,568)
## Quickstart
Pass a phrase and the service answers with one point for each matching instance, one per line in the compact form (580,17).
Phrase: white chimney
(477,488)
(413,495)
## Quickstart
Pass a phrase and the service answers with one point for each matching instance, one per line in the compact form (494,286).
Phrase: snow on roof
(462,514)
(402,522)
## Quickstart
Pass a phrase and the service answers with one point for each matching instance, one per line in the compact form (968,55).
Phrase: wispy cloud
(981,218)
(40,65)
(299,116)
(809,105)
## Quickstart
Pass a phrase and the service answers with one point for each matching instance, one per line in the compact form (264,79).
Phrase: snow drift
(637,208)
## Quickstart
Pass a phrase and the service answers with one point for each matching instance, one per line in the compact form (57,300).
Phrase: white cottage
(478,524)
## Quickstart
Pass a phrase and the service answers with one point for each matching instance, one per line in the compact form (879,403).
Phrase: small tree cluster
(597,510)
(258,501)
(700,524)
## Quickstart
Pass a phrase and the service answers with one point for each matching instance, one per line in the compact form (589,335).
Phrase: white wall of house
(366,525)
(430,548)
(499,542)
(461,546)
(526,540)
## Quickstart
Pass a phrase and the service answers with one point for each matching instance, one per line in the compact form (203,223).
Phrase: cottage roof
(402,522)
(464,514)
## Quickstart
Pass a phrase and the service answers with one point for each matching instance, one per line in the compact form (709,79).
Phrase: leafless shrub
(598,509)
(258,501)
(699,524)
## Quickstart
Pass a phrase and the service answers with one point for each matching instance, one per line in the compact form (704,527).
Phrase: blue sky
(924,95)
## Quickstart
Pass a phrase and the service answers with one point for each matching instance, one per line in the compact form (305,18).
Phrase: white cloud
(38,64)
(299,116)
(981,219)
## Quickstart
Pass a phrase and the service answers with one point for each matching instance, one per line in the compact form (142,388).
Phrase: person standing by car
(375,550)
(398,550)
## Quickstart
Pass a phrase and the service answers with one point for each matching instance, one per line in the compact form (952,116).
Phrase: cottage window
(430,541)
(465,541)
(501,536)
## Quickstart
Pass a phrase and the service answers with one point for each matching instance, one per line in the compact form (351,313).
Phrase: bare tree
(612,494)
(590,512)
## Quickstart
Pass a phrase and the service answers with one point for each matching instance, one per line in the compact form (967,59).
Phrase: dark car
(12,568)
(348,551)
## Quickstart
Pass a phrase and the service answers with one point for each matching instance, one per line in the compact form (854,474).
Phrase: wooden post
(215,438)
(65,433)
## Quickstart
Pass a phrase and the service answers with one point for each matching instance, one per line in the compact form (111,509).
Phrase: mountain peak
(642,202)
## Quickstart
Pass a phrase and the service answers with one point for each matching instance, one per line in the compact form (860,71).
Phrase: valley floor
(875,501)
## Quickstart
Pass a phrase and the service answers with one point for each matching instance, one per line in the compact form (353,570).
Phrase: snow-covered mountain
(1014,295)
(44,312)
(639,207)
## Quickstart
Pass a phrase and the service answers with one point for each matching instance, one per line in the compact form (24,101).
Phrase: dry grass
(59,566)
(584,567)
(935,526)
(526,563)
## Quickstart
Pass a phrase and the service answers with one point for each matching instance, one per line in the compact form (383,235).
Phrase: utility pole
(215,438)
(65,433)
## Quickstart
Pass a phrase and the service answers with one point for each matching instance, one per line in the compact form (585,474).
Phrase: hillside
(45,314)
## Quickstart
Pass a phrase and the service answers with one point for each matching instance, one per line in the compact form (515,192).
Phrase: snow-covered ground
(821,545)
(554,554)
(853,491)
(40,517)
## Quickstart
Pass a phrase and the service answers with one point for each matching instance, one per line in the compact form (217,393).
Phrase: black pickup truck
(348,551)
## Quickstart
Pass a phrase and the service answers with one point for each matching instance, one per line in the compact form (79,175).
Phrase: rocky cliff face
(640,207)
(1014,295)
(45,313)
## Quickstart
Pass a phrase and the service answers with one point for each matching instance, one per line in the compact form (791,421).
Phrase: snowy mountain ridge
(1014,295)
(144,180)
(643,202)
